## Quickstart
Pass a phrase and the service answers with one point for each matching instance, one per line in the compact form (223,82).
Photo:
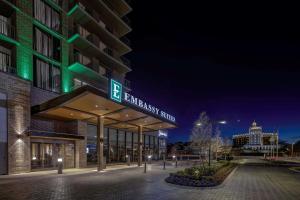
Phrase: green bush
(198,172)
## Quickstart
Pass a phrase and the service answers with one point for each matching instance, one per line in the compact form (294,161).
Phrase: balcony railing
(8,69)
(83,59)
(127,20)
(126,61)
(7,29)
(127,83)
(108,3)
(126,41)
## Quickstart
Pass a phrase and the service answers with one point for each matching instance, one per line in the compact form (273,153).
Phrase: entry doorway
(44,154)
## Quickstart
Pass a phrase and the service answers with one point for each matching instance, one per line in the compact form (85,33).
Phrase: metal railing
(8,69)
(7,29)
(126,41)
(111,7)
(126,20)
(125,61)
(127,83)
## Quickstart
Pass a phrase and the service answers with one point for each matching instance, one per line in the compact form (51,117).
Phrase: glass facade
(118,144)
(44,154)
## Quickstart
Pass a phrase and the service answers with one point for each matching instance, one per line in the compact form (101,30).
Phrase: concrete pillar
(140,145)
(100,143)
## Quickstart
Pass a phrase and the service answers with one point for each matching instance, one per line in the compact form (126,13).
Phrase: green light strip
(45,58)
(8,39)
(72,10)
(82,69)
(48,30)
(12,5)
(73,38)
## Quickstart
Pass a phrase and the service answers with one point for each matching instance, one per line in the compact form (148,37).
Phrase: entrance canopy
(88,103)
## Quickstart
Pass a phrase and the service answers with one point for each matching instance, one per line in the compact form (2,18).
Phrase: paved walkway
(247,182)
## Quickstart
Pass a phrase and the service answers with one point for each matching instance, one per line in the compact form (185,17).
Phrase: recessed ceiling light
(96,106)
(71,114)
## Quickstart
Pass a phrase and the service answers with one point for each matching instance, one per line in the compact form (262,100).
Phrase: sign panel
(115,90)
(116,94)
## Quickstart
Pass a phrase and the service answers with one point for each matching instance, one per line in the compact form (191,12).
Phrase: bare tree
(201,133)
(216,142)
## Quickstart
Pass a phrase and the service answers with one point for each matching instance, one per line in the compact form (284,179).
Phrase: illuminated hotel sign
(116,95)
(115,90)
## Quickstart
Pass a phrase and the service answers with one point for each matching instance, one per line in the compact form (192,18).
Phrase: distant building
(256,141)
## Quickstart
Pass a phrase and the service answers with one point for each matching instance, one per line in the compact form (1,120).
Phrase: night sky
(237,62)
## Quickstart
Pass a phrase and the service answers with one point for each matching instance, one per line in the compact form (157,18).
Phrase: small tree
(216,142)
(201,133)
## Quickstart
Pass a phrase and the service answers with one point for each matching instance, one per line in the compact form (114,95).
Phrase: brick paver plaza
(246,182)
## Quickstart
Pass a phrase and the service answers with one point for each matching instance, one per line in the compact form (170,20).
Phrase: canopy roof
(87,103)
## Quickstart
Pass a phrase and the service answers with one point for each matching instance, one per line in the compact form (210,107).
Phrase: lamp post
(60,166)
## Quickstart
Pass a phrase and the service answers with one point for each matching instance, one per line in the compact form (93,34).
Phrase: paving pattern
(247,182)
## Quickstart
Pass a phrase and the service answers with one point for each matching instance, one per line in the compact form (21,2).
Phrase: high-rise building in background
(256,141)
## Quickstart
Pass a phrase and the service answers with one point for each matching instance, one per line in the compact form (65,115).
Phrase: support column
(100,140)
(140,145)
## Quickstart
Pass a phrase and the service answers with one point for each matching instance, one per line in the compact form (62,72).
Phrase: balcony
(8,32)
(105,56)
(110,17)
(86,73)
(127,84)
(84,17)
(8,69)
(121,8)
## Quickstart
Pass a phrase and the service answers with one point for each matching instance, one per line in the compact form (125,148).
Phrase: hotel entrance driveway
(248,182)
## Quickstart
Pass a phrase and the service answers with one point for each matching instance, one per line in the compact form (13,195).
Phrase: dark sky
(237,62)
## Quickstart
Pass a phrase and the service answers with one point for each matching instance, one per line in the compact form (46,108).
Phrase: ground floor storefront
(82,128)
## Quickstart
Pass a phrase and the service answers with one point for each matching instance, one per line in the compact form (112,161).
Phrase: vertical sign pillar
(140,147)
(100,140)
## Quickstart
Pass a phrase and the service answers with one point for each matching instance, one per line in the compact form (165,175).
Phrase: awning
(88,103)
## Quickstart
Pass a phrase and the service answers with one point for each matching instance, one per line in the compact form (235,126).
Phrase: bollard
(60,166)
(164,164)
(128,160)
(176,163)
(145,166)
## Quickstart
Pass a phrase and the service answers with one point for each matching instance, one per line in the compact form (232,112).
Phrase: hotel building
(256,141)
(63,88)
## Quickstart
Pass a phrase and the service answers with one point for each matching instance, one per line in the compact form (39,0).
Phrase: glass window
(46,44)
(45,14)
(113,148)
(46,76)
(5,59)
(121,143)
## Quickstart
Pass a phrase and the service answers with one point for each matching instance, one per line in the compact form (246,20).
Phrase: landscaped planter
(203,181)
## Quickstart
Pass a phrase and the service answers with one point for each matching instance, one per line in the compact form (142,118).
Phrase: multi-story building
(256,141)
(63,87)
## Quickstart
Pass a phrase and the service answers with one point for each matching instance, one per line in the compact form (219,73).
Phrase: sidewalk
(66,172)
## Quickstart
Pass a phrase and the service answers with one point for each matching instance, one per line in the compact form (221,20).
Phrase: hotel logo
(115,90)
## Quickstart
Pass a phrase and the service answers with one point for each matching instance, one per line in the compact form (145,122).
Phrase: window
(46,44)
(5,59)
(45,14)
(46,76)
(4,25)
